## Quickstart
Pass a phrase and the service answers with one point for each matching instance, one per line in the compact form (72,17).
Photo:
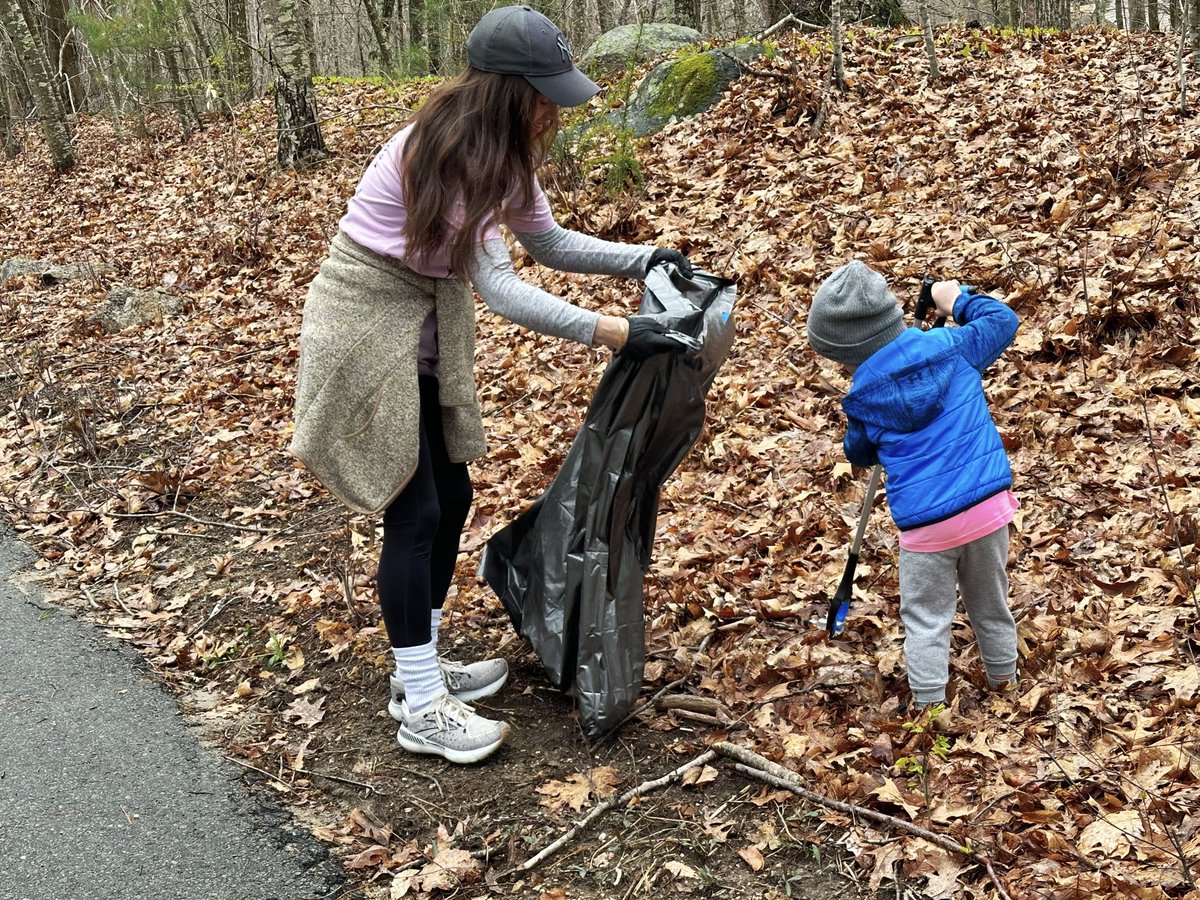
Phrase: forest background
(196,157)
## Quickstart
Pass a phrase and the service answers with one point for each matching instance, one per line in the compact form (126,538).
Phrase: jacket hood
(903,387)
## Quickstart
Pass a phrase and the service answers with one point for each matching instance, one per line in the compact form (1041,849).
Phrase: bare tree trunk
(299,133)
(414,30)
(927,31)
(17,22)
(1014,14)
(739,16)
(1119,9)
(835,33)
(181,97)
(1180,65)
(238,44)
(1137,15)
(607,12)
(1152,15)
(11,109)
(1101,11)
(1191,18)
(424,26)
(379,28)
(310,35)
(64,56)
(210,67)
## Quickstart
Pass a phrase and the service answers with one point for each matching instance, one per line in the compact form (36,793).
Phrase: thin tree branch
(601,808)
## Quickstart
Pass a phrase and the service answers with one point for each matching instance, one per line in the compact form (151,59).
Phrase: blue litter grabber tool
(839,605)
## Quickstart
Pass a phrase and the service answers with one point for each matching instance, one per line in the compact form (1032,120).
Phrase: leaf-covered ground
(149,469)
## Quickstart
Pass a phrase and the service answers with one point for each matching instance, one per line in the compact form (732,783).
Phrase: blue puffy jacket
(917,406)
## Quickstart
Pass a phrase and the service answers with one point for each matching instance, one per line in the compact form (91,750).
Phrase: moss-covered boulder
(629,45)
(683,87)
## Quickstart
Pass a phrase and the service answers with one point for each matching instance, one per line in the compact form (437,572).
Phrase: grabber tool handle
(925,303)
(839,604)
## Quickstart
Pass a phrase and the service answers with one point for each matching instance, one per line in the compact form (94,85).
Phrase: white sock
(435,622)
(418,669)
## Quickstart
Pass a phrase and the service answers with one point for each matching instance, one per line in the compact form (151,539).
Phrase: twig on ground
(283,784)
(87,593)
(216,523)
(216,611)
(1167,505)
(705,705)
(759,767)
(702,718)
(339,778)
(120,602)
(738,623)
(171,532)
(348,595)
(613,803)
(406,770)
(733,506)
(758,73)
(750,763)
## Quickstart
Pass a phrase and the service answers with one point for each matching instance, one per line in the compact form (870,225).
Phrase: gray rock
(50,273)
(127,307)
(629,45)
(683,87)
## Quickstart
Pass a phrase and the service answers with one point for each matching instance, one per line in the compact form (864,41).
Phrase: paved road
(105,794)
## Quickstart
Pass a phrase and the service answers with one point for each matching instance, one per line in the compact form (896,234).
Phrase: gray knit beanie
(853,314)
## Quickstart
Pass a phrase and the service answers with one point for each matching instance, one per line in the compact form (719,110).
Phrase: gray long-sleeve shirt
(507,295)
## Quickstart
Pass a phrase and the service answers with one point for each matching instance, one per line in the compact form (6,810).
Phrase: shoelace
(464,712)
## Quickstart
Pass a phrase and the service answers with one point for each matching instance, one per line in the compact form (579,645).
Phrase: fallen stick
(750,763)
(706,705)
(275,778)
(601,808)
(702,718)
(339,778)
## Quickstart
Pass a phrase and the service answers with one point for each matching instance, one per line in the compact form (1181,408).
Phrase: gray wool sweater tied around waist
(357,408)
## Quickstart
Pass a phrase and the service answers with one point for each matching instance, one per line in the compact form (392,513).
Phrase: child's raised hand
(945,293)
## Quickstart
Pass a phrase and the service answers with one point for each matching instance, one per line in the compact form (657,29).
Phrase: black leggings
(421,532)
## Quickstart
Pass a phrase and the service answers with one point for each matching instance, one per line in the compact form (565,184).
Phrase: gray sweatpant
(928,600)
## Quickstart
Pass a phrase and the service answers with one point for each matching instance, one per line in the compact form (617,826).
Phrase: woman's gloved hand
(648,336)
(663,254)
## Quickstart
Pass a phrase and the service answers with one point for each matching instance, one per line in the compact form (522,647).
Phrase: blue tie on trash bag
(569,569)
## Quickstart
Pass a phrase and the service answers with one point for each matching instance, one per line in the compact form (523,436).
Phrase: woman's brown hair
(472,142)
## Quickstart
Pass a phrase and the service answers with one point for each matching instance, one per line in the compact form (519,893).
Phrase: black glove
(662,255)
(648,336)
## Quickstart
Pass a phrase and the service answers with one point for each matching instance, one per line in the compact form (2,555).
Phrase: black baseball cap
(519,40)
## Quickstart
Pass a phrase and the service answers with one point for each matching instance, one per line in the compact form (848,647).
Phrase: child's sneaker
(467,682)
(449,728)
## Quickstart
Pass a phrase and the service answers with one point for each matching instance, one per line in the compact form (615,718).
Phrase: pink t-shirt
(376,214)
(974,522)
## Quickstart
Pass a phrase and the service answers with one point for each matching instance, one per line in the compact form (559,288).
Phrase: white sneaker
(449,728)
(472,681)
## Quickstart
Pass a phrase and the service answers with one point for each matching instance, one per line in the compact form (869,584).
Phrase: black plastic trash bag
(569,569)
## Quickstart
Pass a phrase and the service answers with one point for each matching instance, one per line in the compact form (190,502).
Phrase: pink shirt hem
(971,524)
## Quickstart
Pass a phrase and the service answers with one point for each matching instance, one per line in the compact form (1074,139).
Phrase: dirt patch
(681,838)
(319,736)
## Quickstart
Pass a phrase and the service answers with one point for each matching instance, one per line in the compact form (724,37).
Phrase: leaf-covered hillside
(1054,171)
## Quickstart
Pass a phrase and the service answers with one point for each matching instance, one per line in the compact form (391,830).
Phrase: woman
(386,408)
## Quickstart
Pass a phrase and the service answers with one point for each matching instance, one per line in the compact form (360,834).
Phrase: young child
(917,407)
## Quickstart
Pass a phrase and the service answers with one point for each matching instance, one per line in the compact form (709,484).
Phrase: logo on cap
(564,48)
